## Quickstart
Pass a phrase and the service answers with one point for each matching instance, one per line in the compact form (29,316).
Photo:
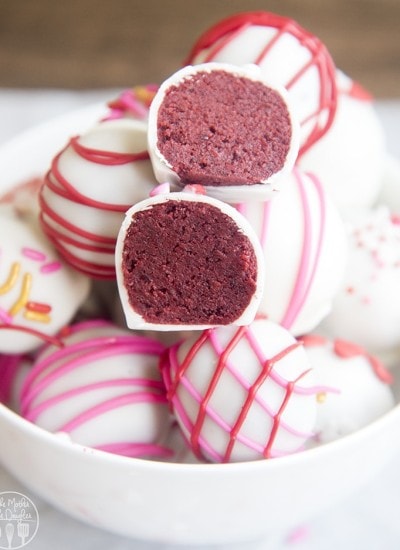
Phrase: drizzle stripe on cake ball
(242,393)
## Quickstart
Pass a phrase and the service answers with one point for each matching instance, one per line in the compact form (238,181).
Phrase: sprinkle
(5,317)
(298,535)
(38,307)
(37,316)
(161,189)
(23,296)
(321,397)
(195,188)
(50,267)
(33,254)
(11,279)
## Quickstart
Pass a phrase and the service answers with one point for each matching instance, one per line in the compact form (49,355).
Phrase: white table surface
(368,520)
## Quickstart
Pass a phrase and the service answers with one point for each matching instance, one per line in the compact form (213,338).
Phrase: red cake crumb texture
(234,130)
(186,262)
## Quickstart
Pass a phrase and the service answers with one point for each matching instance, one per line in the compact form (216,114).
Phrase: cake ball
(287,54)
(24,197)
(350,157)
(305,251)
(90,185)
(364,393)
(366,309)
(102,387)
(186,261)
(225,127)
(244,393)
(390,189)
(39,292)
(132,103)
(13,370)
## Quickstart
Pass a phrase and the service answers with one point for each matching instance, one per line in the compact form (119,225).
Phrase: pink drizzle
(310,256)
(76,355)
(175,375)
(309,262)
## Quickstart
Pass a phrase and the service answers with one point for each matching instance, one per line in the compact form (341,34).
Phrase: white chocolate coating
(133,319)
(366,309)
(102,388)
(242,394)
(305,252)
(390,190)
(362,395)
(164,171)
(286,54)
(39,292)
(349,159)
(88,189)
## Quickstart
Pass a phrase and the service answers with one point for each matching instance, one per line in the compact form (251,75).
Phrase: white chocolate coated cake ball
(242,393)
(39,292)
(362,385)
(366,308)
(287,54)
(305,251)
(350,158)
(90,185)
(102,388)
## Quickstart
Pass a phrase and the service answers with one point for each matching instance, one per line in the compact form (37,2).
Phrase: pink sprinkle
(33,254)
(161,189)
(298,535)
(50,267)
(5,317)
(195,188)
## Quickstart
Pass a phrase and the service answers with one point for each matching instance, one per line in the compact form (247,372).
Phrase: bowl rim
(72,447)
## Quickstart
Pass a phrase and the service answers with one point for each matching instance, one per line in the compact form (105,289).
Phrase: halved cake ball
(225,127)
(187,261)
(287,54)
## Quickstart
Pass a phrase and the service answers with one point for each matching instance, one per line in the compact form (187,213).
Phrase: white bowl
(177,503)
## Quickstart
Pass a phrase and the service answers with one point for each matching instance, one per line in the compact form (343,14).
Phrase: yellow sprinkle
(11,279)
(144,95)
(321,397)
(37,316)
(23,296)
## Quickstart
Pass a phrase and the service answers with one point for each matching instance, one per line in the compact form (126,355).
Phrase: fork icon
(23,531)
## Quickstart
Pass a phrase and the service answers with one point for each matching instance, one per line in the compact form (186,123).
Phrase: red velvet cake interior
(187,262)
(218,128)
